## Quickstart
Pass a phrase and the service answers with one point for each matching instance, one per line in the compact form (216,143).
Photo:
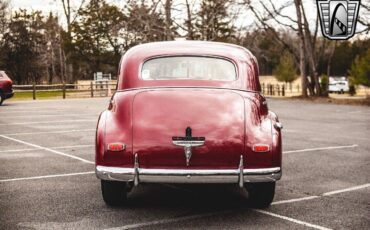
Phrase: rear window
(188,68)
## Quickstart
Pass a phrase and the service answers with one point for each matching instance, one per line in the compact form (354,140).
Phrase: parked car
(338,86)
(188,112)
(6,87)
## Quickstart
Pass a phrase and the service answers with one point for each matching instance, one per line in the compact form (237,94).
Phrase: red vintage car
(6,87)
(188,112)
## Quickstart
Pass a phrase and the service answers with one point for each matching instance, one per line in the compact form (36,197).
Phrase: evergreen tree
(24,49)
(286,71)
(95,35)
(214,22)
(360,70)
(144,24)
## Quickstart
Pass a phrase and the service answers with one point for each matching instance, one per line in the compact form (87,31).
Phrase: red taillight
(114,147)
(260,148)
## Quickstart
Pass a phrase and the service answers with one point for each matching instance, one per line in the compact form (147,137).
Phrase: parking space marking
(178,219)
(322,148)
(294,200)
(350,189)
(346,190)
(59,147)
(47,176)
(48,149)
(292,220)
(166,221)
(47,132)
(47,122)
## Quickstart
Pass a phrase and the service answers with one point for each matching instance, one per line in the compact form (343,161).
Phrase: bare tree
(272,15)
(167,10)
(364,16)
(4,4)
(189,21)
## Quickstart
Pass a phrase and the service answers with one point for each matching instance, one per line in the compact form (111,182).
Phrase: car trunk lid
(162,118)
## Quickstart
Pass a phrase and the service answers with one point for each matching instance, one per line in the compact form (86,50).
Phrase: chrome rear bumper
(138,175)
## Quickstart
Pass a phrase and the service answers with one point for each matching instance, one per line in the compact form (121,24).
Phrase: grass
(48,95)
(39,95)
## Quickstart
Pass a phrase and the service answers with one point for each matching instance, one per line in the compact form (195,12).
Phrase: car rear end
(188,121)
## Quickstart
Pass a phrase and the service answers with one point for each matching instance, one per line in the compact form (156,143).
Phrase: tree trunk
(330,59)
(189,23)
(302,67)
(302,49)
(167,8)
(61,63)
(310,51)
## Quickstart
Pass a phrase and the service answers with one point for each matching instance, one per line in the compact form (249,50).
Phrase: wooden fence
(104,89)
(94,89)
(282,90)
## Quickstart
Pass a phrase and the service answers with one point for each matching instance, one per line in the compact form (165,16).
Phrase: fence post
(278,89)
(92,89)
(270,89)
(283,91)
(107,86)
(64,90)
(263,88)
(34,91)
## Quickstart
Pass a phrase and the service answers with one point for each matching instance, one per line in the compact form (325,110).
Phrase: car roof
(190,47)
(132,60)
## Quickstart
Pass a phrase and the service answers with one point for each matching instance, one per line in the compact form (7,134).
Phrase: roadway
(47,176)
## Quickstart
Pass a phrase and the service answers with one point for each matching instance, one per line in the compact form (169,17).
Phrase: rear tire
(114,192)
(2,98)
(260,194)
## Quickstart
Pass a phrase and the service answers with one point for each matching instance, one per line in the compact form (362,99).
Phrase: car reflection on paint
(188,112)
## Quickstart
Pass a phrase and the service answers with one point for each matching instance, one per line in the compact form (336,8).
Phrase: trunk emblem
(188,142)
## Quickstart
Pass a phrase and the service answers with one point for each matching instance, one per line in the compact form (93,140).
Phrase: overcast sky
(55,6)
(245,19)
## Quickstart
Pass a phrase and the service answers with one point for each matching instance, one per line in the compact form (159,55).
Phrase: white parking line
(322,148)
(178,219)
(166,221)
(294,200)
(346,190)
(48,122)
(292,220)
(48,176)
(350,189)
(48,149)
(59,147)
(46,132)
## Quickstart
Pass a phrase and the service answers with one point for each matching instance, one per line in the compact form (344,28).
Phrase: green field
(39,95)
(55,94)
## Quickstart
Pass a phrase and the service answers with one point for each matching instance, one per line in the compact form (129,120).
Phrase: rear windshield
(188,68)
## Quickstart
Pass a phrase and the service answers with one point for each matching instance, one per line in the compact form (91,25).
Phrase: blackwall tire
(114,192)
(1,98)
(261,194)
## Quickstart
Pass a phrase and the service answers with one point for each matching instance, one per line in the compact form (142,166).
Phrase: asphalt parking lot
(47,176)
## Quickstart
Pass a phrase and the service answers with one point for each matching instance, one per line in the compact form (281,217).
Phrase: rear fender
(276,140)
(259,129)
(115,126)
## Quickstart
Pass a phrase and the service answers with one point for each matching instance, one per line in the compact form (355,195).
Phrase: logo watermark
(338,18)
